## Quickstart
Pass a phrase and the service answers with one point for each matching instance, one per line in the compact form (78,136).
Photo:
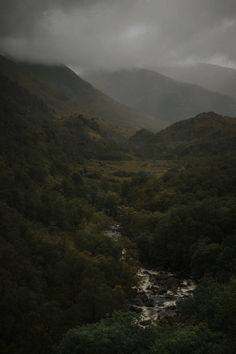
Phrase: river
(157,294)
(157,291)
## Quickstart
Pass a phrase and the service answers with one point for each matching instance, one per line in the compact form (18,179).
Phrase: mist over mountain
(154,94)
(110,34)
(212,77)
(66,93)
(117,176)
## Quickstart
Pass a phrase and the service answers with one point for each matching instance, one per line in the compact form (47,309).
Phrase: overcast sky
(114,34)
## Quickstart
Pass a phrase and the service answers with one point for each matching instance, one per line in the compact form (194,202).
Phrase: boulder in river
(145,322)
(137,301)
(160,300)
(145,272)
(170,295)
(136,309)
(162,290)
(164,276)
(150,302)
(147,301)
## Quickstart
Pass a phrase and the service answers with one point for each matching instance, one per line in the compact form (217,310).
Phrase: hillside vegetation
(65,93)
(204,135)
(66,285)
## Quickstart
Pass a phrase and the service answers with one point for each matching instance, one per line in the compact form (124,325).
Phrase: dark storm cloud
(122,33)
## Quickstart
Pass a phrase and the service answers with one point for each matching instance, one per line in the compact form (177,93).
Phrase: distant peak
(209,115)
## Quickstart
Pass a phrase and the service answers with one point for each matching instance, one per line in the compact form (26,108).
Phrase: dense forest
(65,287)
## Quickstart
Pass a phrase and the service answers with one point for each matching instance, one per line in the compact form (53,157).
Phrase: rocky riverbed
(157,294)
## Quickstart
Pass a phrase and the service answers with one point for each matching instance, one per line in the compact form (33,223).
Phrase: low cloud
(116,34)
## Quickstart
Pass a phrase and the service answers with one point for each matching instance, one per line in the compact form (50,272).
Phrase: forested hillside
(204,135)
(58,270)
(117,177)
(183,222)
(67,284)
(65,93)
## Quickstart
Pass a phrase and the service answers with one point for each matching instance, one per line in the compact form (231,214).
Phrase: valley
(119,171)
(115,239)
(118,177)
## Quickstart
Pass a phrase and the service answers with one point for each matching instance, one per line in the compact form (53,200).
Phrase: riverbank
(158,293)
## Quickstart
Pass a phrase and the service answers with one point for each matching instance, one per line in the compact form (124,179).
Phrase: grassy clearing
(120,170)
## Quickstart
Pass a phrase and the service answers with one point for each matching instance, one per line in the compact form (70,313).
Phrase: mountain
(65,93)
(29,131)
(204,135)
(212,77)
(67,286)
(157,95)
(53,213)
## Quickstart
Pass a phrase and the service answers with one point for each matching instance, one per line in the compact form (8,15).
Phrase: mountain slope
(28,127)
(53,250)
(66,93)
(206,134)
(212,77)
(154,94)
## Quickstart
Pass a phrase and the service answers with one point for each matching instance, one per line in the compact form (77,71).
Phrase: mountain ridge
(210,76)
(27,121)
(66,93)
(157,95)
(206,134)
